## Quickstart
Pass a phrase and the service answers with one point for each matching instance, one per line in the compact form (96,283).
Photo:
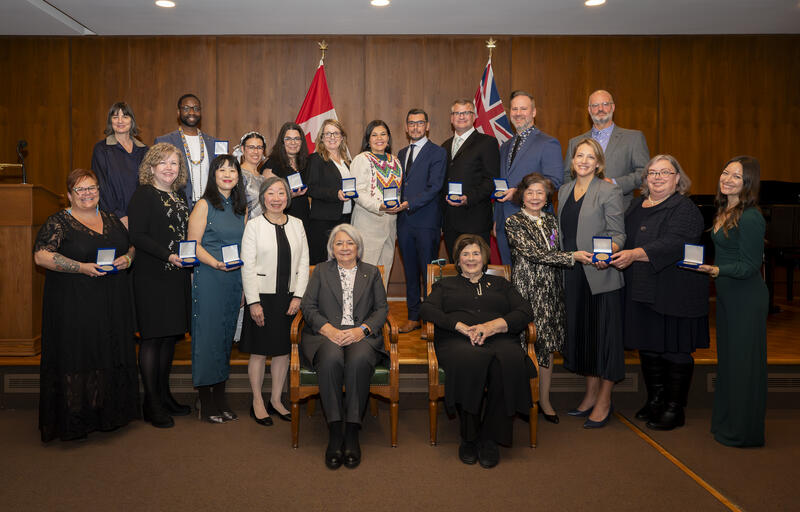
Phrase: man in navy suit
(530,150)
(419,223)
(196,146)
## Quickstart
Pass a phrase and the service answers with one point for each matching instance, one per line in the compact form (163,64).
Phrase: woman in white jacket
(376,169)
(274,277)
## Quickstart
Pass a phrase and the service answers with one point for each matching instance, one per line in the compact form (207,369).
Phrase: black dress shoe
(267,422)
(599,424)
(579,413)
(552,418)
(488,454)
(176,409)
(210,418)
(157,416)
(274,412)
(229,415)
(352,458)
(334,458)
(468,452)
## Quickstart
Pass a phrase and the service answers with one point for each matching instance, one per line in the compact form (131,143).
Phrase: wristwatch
(366,329)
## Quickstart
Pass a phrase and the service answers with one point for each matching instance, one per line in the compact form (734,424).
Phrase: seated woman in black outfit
(326,169)
(288,156)
(158,222)
(666,308)
(344,308)
(477,319)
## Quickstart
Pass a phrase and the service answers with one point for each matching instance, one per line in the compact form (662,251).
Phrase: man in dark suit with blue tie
(198,148)
(530,150)
(419,223)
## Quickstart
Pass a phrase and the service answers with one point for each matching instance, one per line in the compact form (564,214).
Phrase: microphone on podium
(21,145)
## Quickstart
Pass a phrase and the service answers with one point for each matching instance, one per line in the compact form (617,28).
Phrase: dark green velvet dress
(740,397)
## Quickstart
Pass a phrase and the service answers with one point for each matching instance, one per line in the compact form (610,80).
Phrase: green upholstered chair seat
(308,377)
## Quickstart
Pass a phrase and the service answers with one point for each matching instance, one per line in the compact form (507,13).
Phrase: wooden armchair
(304,384)
(436,375)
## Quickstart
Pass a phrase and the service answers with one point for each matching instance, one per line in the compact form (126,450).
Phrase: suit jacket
(601,215)
(260,258)
(541,153)
(626,157)
(422,186)
(475,165)
(324,184)
(174,138)
(322,303)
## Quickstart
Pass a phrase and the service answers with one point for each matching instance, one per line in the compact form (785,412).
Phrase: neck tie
(514,150)
(410,159)
(456,144)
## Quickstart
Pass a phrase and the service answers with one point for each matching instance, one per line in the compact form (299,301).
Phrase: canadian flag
(317,107)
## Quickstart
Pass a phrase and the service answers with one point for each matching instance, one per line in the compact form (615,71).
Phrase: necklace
(186,147)
(654,203)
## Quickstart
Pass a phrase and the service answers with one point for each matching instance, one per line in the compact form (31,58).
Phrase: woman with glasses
(375,170)
(250,152)
(326,169)
(666,307)
(87,376)
(289,155)
(740,397)
(116,159)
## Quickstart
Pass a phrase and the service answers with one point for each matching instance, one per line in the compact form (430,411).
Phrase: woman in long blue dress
(217,220)
(740,397)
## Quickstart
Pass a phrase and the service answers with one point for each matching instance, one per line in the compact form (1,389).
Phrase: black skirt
(273,338)
(646,329)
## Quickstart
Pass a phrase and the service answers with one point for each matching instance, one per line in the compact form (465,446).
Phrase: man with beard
(197,147)
(530,150)
(625,150)
(419,224)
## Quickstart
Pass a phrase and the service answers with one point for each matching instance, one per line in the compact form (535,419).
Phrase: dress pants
(496,425)
(418,246)
(351,366)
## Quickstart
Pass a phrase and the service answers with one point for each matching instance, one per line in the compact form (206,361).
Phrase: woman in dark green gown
(740,396)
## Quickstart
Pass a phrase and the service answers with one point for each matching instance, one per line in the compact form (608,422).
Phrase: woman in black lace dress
(88,377)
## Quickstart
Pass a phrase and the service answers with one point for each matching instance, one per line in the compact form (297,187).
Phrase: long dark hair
(371,126)
(278,152)
(212,194)
(126,111)
(748,196)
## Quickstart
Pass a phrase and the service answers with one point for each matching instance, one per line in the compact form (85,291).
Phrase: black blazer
(659,283)
(324,183)
(475,165)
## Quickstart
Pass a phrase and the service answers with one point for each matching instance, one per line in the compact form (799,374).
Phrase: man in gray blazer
(625,150)
(198,147)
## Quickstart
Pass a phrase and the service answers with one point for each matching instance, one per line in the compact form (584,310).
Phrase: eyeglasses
(86,190)
(250,147)
(294,140)
(191,108)
(332,135)
(463,113)
(417,123)
(663,173)
(605,104)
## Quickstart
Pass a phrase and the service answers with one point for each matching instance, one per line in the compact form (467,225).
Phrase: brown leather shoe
(411,325)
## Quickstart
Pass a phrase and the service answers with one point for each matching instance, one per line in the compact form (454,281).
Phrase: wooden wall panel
(561,72)
(34,105)
(730,95)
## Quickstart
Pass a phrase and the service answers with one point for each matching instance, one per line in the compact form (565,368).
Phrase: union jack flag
(490,116)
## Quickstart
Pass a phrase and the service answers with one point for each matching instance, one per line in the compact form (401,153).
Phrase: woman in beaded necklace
(375,170)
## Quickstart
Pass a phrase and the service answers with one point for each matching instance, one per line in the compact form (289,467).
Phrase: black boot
(654,369)
(166,353)
(334,454)
(152,411)
(352,449)
(679,380)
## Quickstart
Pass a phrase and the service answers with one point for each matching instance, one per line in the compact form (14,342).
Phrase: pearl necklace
(655,203)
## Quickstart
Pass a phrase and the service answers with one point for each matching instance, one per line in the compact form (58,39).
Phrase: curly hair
(156,154)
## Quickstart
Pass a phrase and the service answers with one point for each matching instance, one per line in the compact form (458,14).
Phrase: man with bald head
(625,150)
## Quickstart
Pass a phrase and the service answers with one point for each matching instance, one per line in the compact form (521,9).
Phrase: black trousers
(494,424)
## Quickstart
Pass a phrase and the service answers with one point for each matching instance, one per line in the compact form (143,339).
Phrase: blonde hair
(344,153)
(155,155)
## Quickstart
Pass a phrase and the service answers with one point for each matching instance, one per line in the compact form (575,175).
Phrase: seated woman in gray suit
(591,207)
(344,308)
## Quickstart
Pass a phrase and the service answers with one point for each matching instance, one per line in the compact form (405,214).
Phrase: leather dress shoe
(210,418)
(267,422)
(599,424)
(334,458)
(552,418)
(352,458)
(579,413)
(468,452)
(229,415)
(272,411)
(411,325)
(488,454)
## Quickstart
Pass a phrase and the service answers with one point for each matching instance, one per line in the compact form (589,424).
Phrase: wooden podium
(23,209)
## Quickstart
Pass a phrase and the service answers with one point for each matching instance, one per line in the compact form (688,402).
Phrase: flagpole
(491,44)
(323,46)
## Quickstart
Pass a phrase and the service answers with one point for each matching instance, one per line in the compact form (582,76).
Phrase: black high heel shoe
(267,422)
(552,418)
(599,424)
(272,411)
